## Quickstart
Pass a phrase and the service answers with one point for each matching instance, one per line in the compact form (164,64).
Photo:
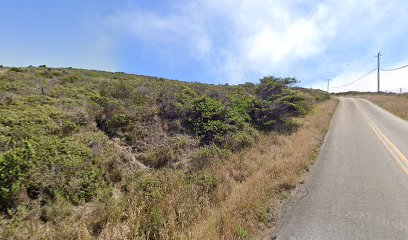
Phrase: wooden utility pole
(328,85)
(378,72)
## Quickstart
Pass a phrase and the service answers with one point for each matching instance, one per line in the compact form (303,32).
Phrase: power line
(345,85)
(378,69)
(394,69)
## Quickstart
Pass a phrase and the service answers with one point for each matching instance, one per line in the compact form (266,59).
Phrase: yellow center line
(396,154)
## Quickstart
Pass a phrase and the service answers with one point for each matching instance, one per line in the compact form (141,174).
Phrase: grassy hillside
(83,151)
(395,103)
(392,102)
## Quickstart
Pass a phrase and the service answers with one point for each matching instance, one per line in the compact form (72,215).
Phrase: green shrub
(204,155)
(118,121)
(207,183)
(174,104)
(14,164)
(36,134)
(319,95)
(166,153)
(206,119)
(62,165)
(277,105)
(242,233)
(239,140)
(238,111)
(126,91)
(160,157)
(70,79)
(275,115)
(15,69)
(152,222)
(271,87)
(122,126)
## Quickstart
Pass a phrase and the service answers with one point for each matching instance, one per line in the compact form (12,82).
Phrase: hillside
(395,103)
(84,151)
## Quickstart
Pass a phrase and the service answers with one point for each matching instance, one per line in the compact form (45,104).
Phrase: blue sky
(213,41)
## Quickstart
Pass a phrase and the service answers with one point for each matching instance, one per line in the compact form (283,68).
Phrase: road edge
(288,205)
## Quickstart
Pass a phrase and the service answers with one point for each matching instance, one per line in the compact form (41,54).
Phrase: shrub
(241,233)
(15,69)
(319,95)
(152,222)
(166,153)
(118,121)
(206,119)
(126,91)
(270,87)
(239,140)
(238,111)
(275,115)
(203,156)
(70,79)
(119,125)
(160,157)
(62,165)
(13,166)
(206,185)
(175,104)
(277,105)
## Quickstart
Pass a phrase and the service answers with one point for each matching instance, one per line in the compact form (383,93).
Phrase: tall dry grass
(397,104)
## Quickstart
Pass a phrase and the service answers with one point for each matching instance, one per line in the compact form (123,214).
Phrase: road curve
(358,188)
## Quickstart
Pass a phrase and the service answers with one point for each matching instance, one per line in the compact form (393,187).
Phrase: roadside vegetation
(392,102)
(91,154)
(395,103)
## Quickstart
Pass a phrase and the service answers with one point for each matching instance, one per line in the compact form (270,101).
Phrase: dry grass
(397,104)
(262,177)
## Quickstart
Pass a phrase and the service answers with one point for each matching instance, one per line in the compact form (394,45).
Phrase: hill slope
(77,146)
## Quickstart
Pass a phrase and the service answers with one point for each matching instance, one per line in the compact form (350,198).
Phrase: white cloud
(269,36)
(236,39)
(258,36)
(299,39)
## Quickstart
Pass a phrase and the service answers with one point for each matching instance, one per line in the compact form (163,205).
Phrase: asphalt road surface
(358,188)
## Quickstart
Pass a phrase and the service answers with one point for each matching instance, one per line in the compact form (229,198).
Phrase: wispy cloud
(239,39)
(233,38)
(164,30)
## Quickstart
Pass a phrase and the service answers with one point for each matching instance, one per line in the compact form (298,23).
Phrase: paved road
(358,188)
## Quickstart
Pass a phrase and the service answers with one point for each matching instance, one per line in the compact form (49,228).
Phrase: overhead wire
(382,69)
(394,69)
(345,85)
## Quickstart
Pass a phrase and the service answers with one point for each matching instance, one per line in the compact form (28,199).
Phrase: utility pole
(328,85)
(378,71)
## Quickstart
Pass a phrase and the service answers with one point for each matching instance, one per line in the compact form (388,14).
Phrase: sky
(214,41)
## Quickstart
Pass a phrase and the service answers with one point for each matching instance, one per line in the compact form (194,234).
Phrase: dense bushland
(102,143)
